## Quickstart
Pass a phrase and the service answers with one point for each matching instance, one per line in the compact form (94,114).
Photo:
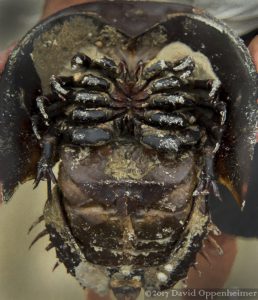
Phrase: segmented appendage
(161,105)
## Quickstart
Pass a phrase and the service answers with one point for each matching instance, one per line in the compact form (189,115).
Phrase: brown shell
(22,80)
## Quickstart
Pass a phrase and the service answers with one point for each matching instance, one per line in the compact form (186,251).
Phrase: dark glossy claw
(41,104)
(166,143)
(155,69)
(165,84)
(164,101)
(94,83)
(45,164)
(162,120)
(107,65)
(89,136)
(44,172)
(185,65)
(189,98)
(167,140)
(80,60)
(94,116)
(35,123)
(59,85)
(90,99)
(166,120)
(171,142)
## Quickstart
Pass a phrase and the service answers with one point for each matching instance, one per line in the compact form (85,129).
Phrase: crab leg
(161,119)
(41,106)
(183,67)
(163,140)
(60,84)
(35,122)
(44,169)
(88,136)
(105,64)
(94,116)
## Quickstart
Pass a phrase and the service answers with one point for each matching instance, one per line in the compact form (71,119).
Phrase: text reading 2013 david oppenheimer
(209,294)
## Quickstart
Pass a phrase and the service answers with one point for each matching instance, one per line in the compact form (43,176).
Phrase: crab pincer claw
(44,172)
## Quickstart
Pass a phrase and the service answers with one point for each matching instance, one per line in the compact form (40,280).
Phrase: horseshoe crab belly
(125,219)
(142,239)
